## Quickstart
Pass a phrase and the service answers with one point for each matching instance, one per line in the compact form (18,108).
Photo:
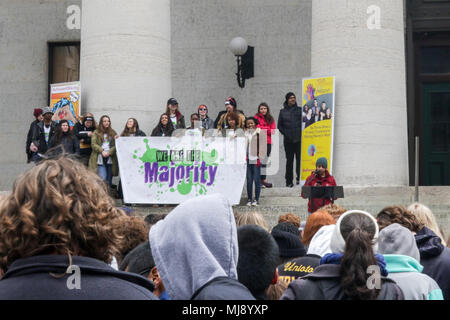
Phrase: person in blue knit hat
(319,177)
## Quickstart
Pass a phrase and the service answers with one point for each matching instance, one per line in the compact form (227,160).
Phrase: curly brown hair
(58,207)
(291,218)
(398,214)
(134,231)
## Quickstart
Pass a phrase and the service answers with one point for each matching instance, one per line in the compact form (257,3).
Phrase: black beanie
(289,243)
(288,95)
(287,226)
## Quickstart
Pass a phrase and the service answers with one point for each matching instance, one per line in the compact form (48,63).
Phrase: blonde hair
(426,218)
(334,210)
(251,217)
(58,207)
(275,291)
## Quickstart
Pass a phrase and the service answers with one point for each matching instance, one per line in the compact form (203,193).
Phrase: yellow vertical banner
(318,123)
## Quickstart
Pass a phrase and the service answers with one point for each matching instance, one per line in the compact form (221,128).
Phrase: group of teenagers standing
(94,142)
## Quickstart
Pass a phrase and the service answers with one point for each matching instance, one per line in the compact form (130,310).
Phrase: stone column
(370,137)
(125,60)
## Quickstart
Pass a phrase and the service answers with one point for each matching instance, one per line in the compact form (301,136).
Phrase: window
(435,59)
(64,62)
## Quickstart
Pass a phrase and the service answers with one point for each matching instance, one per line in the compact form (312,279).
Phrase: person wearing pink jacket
(265,122)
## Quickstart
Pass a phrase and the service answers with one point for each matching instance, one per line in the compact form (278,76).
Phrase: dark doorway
(436,134)
(428,78)
(63,62)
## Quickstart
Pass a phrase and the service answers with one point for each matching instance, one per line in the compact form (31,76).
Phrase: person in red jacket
(319,177)
(267,123)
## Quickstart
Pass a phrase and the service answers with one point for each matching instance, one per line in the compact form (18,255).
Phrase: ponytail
(358,256)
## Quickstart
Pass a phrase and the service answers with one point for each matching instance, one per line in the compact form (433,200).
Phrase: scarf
(335,258)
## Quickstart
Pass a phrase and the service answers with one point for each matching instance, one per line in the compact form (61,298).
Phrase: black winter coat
(30,279)
(79,131)
(324,284)
(140,133)
(39,136)
(435,259)
(290,123)
(298,267)
(71,146)
(29,139)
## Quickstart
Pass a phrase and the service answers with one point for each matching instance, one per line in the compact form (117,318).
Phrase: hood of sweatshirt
(401,263)
(429,243)
(396,239)
(320,242)
(194,244)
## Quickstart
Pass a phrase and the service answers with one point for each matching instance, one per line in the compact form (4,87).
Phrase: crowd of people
(59,218)
(94,143)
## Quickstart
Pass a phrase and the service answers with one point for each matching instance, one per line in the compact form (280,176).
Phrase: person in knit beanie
(258,259)
(319,177)
(287,237)
(289,124)
(230,107)
(37,113)
(295,262)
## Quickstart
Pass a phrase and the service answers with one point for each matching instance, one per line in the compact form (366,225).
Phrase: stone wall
(25,29)
(203,67)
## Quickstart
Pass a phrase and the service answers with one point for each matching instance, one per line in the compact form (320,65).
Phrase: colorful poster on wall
(318,123)
(65,101)
(169,170)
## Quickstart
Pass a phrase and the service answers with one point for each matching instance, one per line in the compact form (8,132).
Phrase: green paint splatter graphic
(183,187)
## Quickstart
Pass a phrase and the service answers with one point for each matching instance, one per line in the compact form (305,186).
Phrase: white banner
(169,170)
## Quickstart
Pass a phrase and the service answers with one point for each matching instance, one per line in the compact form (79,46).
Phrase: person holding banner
(253,162)
(194,119)
(222,118)
(290,126)
(207,122)
(234,129)
(164,128)
(132,129)
(319,177)
(103,157)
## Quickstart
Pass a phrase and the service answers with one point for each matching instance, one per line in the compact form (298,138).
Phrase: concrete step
(281,200)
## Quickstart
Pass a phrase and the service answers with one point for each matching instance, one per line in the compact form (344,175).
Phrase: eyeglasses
(202,109)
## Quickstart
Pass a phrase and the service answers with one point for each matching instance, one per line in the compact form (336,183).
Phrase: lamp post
(244,57)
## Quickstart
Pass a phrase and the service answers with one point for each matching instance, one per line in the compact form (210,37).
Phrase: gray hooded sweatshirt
(195,244)
(399,248)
